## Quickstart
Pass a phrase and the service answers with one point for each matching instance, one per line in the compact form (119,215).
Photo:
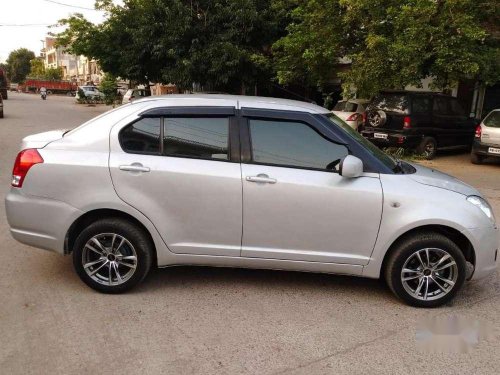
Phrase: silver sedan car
(245,182)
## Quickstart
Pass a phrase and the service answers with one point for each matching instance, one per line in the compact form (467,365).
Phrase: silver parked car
(245,182)
(487,138)
(351,111)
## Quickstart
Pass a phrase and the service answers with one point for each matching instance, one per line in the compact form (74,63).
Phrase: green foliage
(19,65)
(391,43)
(53,73)
(228,45)
(403,153)
(109,87)
(221,44)
(38,71)
(81,98)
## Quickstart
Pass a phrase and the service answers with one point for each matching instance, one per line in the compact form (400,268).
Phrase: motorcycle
(44,95)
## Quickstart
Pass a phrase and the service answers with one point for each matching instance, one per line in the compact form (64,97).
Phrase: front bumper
(37,221)
(392,139)
(485,242)
(481,148)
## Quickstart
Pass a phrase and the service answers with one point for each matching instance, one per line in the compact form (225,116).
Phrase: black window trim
(192,112)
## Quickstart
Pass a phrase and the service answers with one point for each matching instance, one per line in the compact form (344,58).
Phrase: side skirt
(259,263)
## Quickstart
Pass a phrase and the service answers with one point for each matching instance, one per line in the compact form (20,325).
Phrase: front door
(296,206)
(178,171)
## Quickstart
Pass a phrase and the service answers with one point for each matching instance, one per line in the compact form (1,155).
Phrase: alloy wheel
(429,274)
(109,259)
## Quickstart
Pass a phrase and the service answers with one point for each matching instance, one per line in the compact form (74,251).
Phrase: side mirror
(351,167)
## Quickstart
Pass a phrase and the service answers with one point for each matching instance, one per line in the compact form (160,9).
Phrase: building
(79,69)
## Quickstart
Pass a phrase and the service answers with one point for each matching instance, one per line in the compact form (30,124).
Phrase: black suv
(423,121)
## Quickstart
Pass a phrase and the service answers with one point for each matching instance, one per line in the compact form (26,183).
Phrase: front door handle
(135,167)
(262,178)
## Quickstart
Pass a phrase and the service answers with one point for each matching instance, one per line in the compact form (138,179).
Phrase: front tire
(426,270)
(112,255)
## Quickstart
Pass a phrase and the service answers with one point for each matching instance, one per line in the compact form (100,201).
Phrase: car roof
(238,101)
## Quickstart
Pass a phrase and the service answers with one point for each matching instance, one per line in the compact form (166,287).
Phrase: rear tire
(112,255)
(475,158)
(427,148)
(429,259)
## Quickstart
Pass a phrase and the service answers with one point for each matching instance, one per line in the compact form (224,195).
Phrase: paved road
(206,321)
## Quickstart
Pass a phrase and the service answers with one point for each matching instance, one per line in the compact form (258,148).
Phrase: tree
(391,43)
(37,69)
(19,64)
(53,73)
(219,44)
(109,87)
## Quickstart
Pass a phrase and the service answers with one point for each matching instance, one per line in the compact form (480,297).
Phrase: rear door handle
(262,178)
(136,167)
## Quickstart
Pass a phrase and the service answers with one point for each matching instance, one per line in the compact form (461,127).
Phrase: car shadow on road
(257,280)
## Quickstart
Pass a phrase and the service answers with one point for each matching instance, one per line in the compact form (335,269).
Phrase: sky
(36,15)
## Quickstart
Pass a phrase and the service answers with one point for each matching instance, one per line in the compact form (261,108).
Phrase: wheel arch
(453,234)
(90,216)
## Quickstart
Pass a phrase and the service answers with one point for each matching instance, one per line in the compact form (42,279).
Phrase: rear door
(181,169)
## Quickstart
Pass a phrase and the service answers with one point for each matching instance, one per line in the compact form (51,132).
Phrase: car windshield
(390,102)
(492,120)
(374,150)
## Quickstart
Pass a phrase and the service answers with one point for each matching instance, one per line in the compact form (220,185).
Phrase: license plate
(493,150)
(380,135)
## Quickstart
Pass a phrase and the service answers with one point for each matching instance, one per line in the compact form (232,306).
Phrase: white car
(89,92)
(487,138)
(351,111)
(134,94)
(250,182)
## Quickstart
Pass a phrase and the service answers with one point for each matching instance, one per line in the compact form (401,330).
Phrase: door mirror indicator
(351,167)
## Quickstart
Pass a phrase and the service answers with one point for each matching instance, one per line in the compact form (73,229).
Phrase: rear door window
(196,137)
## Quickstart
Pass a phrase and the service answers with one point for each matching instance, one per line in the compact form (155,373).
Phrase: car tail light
(353,117)
(479,130)
(365,117)
(407,122)
(24,161)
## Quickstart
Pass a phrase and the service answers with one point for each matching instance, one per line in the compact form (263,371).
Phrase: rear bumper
(486,247)
(393,139)
(39,222)
(481,148)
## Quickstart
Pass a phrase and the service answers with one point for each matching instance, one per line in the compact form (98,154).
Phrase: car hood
(432,177)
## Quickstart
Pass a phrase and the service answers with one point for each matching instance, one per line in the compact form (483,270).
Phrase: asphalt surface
(217,321)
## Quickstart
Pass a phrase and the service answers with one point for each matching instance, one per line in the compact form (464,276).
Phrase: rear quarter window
(390,103)
(492,120)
